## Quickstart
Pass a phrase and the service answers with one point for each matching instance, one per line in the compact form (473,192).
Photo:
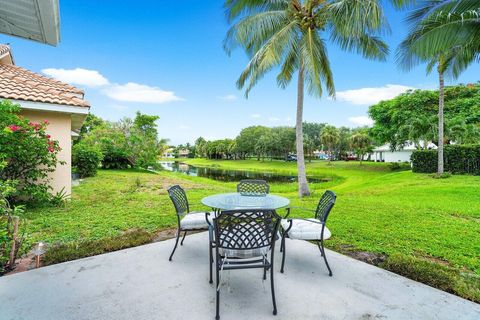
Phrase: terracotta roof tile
(21,84)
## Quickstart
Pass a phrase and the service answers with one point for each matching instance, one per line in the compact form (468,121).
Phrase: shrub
(457,159)
(29,152)
(10,238)
(86,159)
(115,158)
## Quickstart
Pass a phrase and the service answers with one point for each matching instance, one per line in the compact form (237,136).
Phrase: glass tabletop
(231,201)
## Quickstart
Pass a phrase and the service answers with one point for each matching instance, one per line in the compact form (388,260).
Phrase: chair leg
(273,288)
(175,247)
(281,242)
(217,289)
(264,273)
(211,260)
(322,251)
(282,245)
(181,243)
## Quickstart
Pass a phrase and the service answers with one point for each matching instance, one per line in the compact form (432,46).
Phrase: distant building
(168,153)
(385,154)
(183,153)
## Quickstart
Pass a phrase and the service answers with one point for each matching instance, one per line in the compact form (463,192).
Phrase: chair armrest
(207,215)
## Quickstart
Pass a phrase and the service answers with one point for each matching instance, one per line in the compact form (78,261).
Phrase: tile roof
(21,84)
(4,49)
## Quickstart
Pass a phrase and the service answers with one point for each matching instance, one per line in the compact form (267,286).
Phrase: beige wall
(60,129)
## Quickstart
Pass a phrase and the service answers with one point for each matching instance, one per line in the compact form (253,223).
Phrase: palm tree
(330,137)
(361,143)
(291,34)
(446,35)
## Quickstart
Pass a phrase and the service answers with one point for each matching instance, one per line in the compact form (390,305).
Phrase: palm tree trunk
(440,122)
(303,189)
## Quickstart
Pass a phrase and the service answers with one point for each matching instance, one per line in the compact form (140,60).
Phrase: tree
(398,121)
(419,130)
(329,137)
(361,144)
(290,34)
(247,139)
(453,56)
(127,142)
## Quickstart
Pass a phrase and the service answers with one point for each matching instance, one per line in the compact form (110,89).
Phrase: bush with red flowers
(29,152)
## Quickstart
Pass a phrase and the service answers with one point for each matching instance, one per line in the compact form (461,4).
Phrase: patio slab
(140,283)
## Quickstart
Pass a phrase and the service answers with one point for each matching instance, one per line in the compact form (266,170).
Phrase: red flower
(14,127)
(45,121)
(51,149)
(48,136)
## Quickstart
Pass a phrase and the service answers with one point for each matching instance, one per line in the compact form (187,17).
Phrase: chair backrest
(253,187)
(179,199)
(246,229)
(325,205)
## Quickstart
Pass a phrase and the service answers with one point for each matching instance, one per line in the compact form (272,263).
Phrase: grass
(425,226)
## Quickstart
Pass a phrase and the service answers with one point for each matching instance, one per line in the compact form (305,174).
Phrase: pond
(231,175)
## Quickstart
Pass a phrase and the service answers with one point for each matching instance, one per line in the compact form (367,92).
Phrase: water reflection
(231,175)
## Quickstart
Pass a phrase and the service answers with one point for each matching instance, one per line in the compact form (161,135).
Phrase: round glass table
(232,201)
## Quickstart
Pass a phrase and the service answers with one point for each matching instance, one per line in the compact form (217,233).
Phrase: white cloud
(78,76)
(255,115)
(228,97)
(369,96)
(361,121)
(273,119)
(134,92)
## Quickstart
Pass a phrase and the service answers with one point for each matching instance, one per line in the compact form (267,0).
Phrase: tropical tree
(419,130)
(428,42)
(330,137)
(361,143)
(292,34)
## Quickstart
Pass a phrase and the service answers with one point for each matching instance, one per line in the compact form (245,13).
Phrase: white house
(385,154)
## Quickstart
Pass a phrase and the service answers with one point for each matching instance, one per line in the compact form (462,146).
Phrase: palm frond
(267,57)
(316,64)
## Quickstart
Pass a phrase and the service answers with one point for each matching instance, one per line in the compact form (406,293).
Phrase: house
(42,98)
(169,153)
(385,154)
(183,153)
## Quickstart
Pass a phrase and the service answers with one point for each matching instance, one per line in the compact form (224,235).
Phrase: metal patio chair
(250,187)
(313,229)
(242,240)
(187,220)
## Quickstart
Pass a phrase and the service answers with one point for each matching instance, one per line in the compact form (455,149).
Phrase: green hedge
(457,159)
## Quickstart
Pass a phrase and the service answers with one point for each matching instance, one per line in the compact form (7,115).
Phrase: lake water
(231,175)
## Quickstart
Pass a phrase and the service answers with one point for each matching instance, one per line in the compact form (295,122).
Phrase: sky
(166,58)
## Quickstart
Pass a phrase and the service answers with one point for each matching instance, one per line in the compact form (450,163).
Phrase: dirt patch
(365,256)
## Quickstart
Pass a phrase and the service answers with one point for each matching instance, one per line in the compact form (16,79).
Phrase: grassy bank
(398,214)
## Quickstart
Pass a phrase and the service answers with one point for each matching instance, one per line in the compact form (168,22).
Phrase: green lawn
(398,214)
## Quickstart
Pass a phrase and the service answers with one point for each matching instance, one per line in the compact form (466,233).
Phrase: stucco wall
(60,130)
(398,156)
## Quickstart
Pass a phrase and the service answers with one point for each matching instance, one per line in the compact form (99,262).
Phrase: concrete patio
(140,283)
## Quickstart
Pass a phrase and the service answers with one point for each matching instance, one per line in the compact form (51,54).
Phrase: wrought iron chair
(251,187)
(187,220)
(310,229)
(242,240)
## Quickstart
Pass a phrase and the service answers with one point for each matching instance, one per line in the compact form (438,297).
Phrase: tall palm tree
(428,41)
(292,35)
(330,136)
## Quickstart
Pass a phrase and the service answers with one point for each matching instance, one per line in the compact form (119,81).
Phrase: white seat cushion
(310,229)
(195,220)
(243,254)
